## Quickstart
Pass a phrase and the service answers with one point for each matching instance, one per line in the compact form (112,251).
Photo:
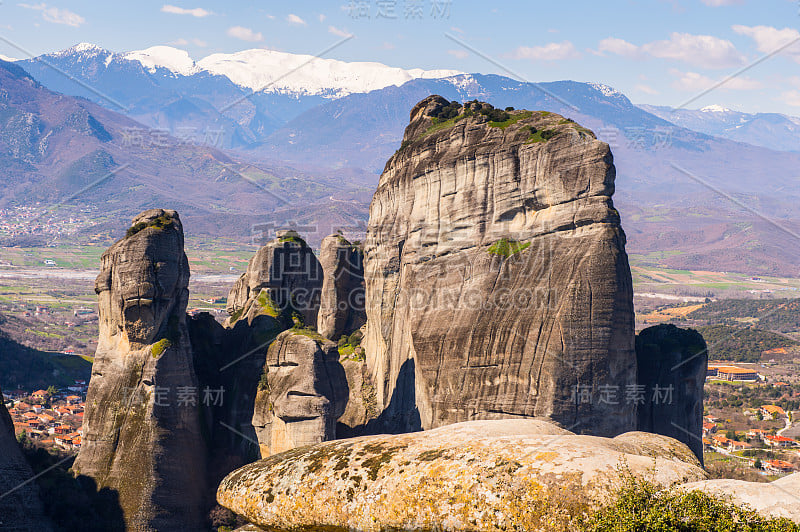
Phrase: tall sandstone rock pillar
(497,283)
(672,364)
(139,438)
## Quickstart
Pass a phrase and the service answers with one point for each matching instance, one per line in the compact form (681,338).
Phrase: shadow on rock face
(401,415)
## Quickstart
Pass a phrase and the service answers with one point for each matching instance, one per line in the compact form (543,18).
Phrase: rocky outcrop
(302,392)
(497,284)
(481,475)
(342,303)
(283,278)
(671,366)
(142,434)
(20,506)
(776,499)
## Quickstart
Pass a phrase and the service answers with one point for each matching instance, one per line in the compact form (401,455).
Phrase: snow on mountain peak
(605,89)
(173,59)
(7,59)
(272,71)
(714,109)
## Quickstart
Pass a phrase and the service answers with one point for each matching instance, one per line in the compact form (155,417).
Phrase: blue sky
(658,52)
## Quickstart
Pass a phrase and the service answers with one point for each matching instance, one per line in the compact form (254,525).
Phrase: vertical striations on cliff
(140,438)
(672,364)
(342,300)
(497,283)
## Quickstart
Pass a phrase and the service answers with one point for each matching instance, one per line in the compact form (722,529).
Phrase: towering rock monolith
(672,364)
(302,392)
(342,302)
(497,283)
(283,278)
(142,434)
(20,506)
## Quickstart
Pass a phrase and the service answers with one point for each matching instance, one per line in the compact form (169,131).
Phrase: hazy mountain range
(714,187)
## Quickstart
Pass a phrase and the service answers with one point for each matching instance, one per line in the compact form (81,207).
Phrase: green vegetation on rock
(161,222)
(159,347)
(506,248)
(268,305)
(540,135)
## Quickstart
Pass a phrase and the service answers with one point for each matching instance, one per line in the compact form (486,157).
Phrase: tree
(22,438)
(757,464)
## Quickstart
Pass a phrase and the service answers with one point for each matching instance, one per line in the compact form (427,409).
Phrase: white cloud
(791,98)
(198,12)
(795,80)
(553,51)
(245,34)
(692,81)
(322,17)
(618,46)
(56,15)
(720,3)
(339,32)
(388,45)
(460,54)
(294,19)
(183,42)
(699,50)
(769,39)
(647,89)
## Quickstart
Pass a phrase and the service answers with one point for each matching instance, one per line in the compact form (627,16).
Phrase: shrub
(641,506)
(507,248)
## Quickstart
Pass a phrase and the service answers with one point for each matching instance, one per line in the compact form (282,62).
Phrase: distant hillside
(30,369)
(741,344)
(780,315)
(75,155)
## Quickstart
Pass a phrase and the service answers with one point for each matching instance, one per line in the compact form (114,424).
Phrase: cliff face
(672,364)
(497,284)
(20,506)
(303,392)
(142,433)
(342,299)
(282,278)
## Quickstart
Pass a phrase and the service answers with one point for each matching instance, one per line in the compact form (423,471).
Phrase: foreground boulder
(497,283)
(481,475)
(671,366)
(776,499)
(141,432)
(302,392)
(20,506)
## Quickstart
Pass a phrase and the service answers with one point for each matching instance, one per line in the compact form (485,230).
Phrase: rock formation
(20,506)
(480,475)
(342,302)
(776,499)
(140,438)
(671,366)
(302,393)
(283,278)
(497,284)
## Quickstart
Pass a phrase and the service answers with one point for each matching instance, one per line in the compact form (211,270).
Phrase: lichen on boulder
(480,475)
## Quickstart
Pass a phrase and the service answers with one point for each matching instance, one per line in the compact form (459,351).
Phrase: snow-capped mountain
(242,97)
(769,130)
(261,70)
(273,71)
